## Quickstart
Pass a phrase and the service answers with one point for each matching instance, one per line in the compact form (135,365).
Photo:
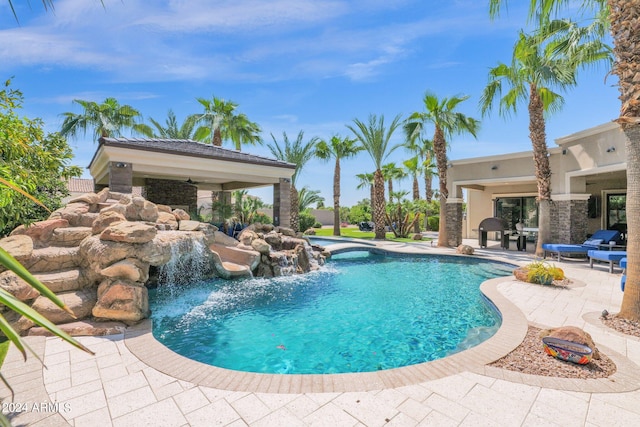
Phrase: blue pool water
(360,313)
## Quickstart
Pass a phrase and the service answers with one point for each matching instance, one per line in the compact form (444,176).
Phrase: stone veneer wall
(282,203)
(569,221)
(171,193)
(454,223)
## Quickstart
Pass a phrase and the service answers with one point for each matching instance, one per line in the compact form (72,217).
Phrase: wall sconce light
(494,167)
(121,165)
(564,151)
(611,149)
(449,165)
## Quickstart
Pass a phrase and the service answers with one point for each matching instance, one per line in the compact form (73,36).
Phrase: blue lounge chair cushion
(592,243)
(623,280)
(611,256)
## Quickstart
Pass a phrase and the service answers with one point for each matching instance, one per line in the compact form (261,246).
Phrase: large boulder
(79,302)
(464,250)
(131,269)
(259,245)
(129,232)
(17,287)
(573,334)
(121,300)
(41,231)
(188,225)
(141,209)
(167,221)
(20,247)
(105,219)
(181,215)
(222,239)
(88,198)
(73,212)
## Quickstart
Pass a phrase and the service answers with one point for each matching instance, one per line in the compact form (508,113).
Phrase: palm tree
(107,119)
(308,198)
(220,122)
(367,180)
(337,148)
(624,19)
(298,153)
(423,148)
(171,129)
(390,172)
(447,122)
(374,137)
(414,167)
(536,69)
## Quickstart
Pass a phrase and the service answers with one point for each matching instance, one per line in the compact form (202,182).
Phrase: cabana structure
(588,188)
(172,171)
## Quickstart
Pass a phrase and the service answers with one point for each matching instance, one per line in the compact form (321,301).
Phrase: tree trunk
(336,198)
(217,137)
(428,186)
(416,196)
(625,29)
(295,209)
(379,208)
(372,197)
(538,136)
(390,190)
(440,150)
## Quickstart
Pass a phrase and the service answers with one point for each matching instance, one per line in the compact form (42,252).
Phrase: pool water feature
(359,313)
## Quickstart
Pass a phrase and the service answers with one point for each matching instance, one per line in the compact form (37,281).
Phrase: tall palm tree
(367,180)
(423,148)
(219,122)
(107,119)
(413,166)
(536,69)
(375,137)
(299,153)
(171,129)
(390,172)
(337,148)
(624,19)
(442,114)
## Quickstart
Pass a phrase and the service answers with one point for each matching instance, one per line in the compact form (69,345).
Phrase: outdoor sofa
(612,257)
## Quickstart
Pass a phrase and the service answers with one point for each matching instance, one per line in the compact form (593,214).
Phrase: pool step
(63,280)
(69,236)
(53,258)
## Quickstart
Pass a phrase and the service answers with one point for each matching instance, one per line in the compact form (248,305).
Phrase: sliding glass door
(518,209)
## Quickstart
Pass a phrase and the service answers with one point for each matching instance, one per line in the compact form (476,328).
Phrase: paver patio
(126,382)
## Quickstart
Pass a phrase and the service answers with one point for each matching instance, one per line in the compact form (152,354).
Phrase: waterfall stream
(188,264)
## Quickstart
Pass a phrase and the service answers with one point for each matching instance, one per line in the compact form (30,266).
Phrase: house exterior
(588,187)
(172,171)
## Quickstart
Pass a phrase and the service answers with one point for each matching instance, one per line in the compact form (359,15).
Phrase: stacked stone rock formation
(96,252)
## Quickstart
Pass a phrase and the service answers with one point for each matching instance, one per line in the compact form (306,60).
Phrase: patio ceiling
(208,167)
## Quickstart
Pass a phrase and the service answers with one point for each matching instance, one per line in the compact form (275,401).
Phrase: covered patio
(171,172)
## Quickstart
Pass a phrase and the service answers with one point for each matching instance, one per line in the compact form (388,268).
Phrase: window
(518,209)
(616,214)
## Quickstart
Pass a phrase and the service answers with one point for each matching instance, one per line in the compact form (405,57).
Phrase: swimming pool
(360,313)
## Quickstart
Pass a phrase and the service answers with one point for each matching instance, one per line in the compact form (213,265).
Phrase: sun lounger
(612,257)
(592,243)
(623,280)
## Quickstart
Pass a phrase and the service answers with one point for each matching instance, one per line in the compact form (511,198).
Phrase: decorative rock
(261,228)
(41,231)
(106,219)
(88,198)
(80,303)
(573,334)
(286,231)
(141,210)
(70,236)
(417,236)
(164,208)
(187,225)
(103,195)
(73,213)
(130,269)
(167,220)
(121,300)
(464,250)
(120,207)
(247,236)
(274,239)
(310,232)
(17,287)
(84,328)
(222,239)
(129,232)
(261,246)
(181,215)
(20,246)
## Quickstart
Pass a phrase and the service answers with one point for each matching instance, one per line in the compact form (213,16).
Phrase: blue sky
(291,65)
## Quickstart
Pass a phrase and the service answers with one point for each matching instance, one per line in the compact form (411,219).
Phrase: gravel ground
(621,325)
(529,358)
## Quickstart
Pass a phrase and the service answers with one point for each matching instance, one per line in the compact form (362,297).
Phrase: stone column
(120,177)
(454,221)
(569,218)
(282,203)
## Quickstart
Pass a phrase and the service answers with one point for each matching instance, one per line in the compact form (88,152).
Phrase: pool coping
(141,342)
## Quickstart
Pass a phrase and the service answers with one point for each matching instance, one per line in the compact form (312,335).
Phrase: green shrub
(543,273)
(306,221)
(317,225)
(262,218)
(433,223)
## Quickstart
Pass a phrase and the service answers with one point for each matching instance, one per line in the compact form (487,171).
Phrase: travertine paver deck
(126,383)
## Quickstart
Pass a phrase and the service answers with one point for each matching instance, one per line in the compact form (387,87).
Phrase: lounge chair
(623,280)
(592,243)
(611,257)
